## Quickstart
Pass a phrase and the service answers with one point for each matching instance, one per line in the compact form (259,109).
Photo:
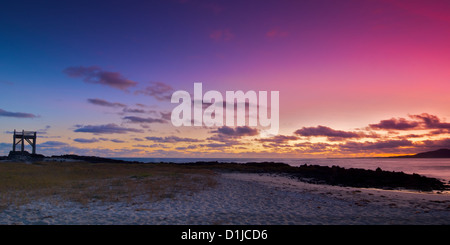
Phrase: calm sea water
(437,168)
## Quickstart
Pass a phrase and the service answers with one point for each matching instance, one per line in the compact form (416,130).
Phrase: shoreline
(331,175)
(248,199)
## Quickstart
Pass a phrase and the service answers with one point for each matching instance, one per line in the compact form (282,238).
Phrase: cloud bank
(4,113)
(96,75)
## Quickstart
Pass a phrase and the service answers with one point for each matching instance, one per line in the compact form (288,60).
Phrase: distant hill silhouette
(441,153)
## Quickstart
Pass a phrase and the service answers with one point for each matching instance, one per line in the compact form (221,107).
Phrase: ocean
(431,167)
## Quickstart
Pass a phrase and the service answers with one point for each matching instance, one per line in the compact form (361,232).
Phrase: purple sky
(356,78)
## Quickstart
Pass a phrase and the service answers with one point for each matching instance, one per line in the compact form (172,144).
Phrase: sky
(355,78)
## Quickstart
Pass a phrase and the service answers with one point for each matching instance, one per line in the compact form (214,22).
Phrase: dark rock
(24,156)
(336,175)
(91,159)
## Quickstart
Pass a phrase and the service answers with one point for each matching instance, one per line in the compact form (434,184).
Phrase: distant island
(441,153)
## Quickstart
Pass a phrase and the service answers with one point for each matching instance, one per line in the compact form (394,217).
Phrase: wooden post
(14,140)
(23,139)
(34,143)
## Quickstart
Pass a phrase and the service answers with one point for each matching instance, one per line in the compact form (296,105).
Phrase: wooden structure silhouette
(29,136)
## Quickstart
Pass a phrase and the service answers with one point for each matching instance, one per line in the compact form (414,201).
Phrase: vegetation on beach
(83,182)
(86,179)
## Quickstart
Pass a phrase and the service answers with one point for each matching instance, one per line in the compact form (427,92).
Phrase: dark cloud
(439,131)
(117,141)
(227,136)
(327,132)
(364,146)
(80,140)
(158,90)
(395,124)
(237,132)
(43,130)
(230,140)
(227,105)
(94,140)
(431,121)
(106,129)
(395,146)
(216,145)
(151,146)
(417,122)
(166,115)
(52,144)
(94,74)
(436,144)
(133,119)
(278,139)
(49,137)
(101,102)
(133,110)
(190,147)
(412,136)
(4,113)
(171,139)
(39,132)
(308,147)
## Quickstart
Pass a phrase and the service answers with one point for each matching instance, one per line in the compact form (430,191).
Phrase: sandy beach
(246,199)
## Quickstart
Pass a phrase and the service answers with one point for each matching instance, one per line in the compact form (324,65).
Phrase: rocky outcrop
(24,156)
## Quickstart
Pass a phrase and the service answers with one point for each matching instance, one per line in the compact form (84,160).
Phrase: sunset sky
(355,78)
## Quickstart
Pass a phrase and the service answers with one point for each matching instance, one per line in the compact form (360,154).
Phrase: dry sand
(249,199)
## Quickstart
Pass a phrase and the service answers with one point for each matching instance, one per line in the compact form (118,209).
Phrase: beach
(245,199)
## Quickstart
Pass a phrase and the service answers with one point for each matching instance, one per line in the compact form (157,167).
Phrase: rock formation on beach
(335,175)
(24,156)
